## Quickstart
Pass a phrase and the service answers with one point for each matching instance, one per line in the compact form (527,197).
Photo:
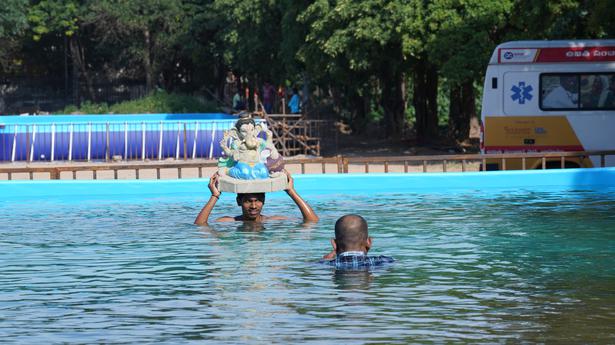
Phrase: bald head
(350,233)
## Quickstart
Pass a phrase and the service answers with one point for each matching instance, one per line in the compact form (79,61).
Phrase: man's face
(597,85)
(251,207)
(569,83)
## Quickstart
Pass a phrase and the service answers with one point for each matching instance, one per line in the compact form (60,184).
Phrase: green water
(471,268)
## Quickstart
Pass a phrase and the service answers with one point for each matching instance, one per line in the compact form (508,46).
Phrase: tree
(13,22)
(148,31)
(464,36)
(370,38)
(601,18)
(248,35)
(65,18)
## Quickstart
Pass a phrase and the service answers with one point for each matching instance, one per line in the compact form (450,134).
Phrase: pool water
(524,266)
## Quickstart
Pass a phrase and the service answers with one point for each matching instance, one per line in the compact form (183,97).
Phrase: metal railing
(112,141)
(338,164)
(482,159)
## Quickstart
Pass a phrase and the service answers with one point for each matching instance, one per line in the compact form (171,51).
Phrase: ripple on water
(518,267)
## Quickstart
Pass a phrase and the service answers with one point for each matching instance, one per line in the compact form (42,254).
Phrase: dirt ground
(364,146)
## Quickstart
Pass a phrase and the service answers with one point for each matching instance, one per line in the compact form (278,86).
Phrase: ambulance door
(521,93)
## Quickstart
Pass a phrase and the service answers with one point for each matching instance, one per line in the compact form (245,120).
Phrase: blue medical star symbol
(521,92)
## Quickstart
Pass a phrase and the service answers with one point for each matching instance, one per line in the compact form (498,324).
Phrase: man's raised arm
(304,207)
(203,216)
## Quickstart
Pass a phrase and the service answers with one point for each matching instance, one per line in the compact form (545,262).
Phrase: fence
(339,165)
(464,160)
(112,141)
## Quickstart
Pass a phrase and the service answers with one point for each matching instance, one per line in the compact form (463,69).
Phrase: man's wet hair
(259,196)
(350,231)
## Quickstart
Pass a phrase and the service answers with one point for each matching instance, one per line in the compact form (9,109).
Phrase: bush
(156,102)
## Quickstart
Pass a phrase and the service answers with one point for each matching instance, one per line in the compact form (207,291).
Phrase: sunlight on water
(474,267)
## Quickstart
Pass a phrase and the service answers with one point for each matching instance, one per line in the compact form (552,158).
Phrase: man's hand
(291,182)
(203,216)
(331,255)
(213,185)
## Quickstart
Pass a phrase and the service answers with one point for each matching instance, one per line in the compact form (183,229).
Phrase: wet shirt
(353,260)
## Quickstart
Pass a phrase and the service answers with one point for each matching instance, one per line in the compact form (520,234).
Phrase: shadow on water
(353,279)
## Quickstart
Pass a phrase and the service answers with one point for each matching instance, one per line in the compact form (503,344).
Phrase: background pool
(472,266)
(129,136)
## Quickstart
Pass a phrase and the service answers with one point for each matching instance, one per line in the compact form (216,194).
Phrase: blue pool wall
(95,118)
(131,136)
(314,186)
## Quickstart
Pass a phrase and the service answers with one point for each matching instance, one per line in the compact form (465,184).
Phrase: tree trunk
(147,63)
(359,105)
(75,77)
(393,101)
(78,60)
(252,93)
(454,111)
(425,101)
(306,104)
(461,110)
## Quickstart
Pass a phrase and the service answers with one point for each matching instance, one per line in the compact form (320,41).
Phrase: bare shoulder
(225,219)
(276,218)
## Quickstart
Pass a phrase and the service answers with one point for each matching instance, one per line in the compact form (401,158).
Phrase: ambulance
(549,96)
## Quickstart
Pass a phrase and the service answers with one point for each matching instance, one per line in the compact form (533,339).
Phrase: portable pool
(497,257)
(95,137)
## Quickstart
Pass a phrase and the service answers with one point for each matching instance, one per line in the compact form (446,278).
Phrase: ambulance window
(597,91)
(559,91)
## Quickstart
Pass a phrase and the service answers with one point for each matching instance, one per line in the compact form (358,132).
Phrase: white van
(550,96)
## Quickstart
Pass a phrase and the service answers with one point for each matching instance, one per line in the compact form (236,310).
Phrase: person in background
(598,92)
(268,97)
(609,102)
(563,96)
(282,97)
(238,104)
(295,102)
(351,244)
(229,86)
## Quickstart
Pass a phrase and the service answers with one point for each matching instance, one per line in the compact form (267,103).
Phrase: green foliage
(462,35)
(12,17)
(145,33)
(13,22)
(356,55)
(601,19)
(358,36)
(248,35)
(162,102)
(156,102)
(54,16)
(86,108)
(443,105)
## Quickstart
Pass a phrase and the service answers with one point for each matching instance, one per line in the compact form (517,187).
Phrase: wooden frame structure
(293,134)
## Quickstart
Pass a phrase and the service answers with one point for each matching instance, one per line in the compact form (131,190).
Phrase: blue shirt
(294,104)
(353,260)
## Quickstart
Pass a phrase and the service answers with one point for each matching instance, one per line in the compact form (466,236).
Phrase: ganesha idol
(252,164)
